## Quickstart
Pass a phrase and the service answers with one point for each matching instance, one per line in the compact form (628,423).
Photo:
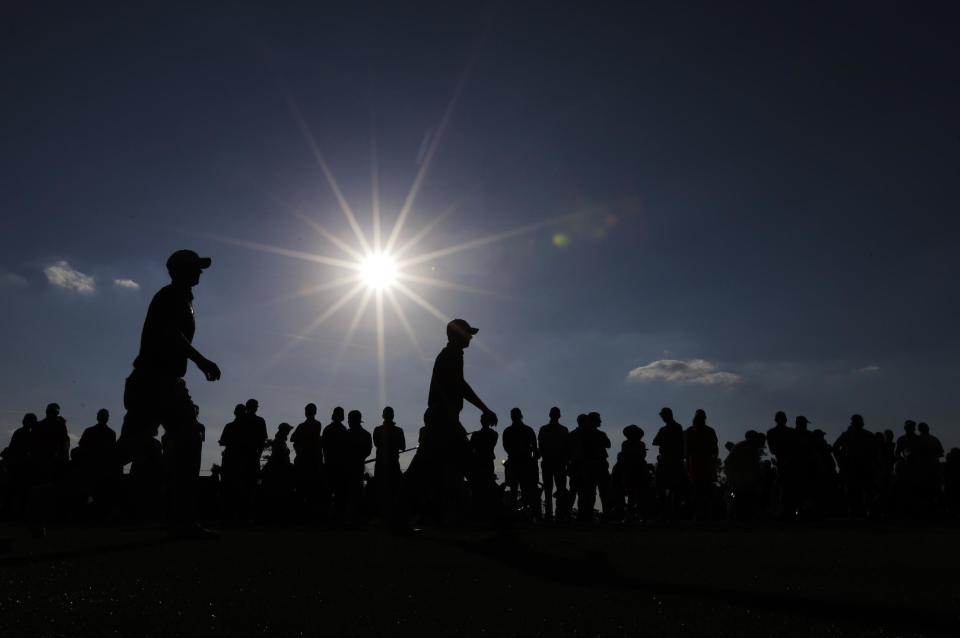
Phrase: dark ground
(710,581)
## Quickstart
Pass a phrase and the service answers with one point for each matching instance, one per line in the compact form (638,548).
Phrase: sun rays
(376,269)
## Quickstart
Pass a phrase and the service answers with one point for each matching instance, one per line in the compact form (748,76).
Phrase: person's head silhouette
(337,416)
(700,418)
(239,410)
(283,430)
(516,416)
(667,415)
(29,420)
(388,414)
(252,406)
(310,411)
(459,333)
(632,433)
(909,426)
(53,410)
(856,422)
(802,423)
(488,419)
(185,266)
(354,418)
(780,418)
(595,420)
(582,420)
(554,414)
(923,428)
(103,415)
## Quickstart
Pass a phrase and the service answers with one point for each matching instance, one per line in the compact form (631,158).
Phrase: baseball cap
(186,258)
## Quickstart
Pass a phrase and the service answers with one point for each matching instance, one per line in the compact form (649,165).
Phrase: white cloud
(690,371)
(12,280)
(867,370)
(129,284)
(62,275)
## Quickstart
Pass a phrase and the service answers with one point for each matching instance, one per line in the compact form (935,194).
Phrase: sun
(378,271)
(381,268)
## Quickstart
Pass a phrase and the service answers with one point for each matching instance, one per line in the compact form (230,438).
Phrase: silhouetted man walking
(448,390)
(554,444)
(156,394)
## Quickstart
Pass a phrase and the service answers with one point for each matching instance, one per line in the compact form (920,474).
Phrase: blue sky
(750,209)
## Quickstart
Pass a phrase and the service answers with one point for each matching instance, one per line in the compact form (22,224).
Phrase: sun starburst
(376,268)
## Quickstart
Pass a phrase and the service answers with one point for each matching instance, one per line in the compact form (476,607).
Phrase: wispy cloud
(867,370)
(12,280)
(691,371)
(63,275)
(129,284)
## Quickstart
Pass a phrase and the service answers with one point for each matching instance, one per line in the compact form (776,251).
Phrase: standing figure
(671,477)
(858,456)
(336,463)
(97,461)
(520,443)
(390,441)
(359,444)
(702,457)
(483,477)
(553,442)
(278,482)
(312,501)
(17,460)
(156,394)
(631,472)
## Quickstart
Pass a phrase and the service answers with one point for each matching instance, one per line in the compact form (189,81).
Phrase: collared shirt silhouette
(520,444)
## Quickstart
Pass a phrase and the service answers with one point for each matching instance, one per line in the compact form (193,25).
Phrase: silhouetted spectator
(359,444)
(17,458)
(520,444)
(155,393)
(907,439)
(308,466)
(553,442)
(745,474)
(336,461)
(389,441)
(630,472)
(702,448)
(928,452)
(51,446)
(858,457)
(599,457)
(97,460)
(483,478)
(238,450)
(278,482)
(951,482)
(583,479)
(671,475)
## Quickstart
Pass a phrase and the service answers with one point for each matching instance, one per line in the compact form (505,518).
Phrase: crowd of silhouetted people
(341,473)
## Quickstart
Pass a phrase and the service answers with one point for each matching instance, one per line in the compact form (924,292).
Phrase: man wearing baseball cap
(156,394)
